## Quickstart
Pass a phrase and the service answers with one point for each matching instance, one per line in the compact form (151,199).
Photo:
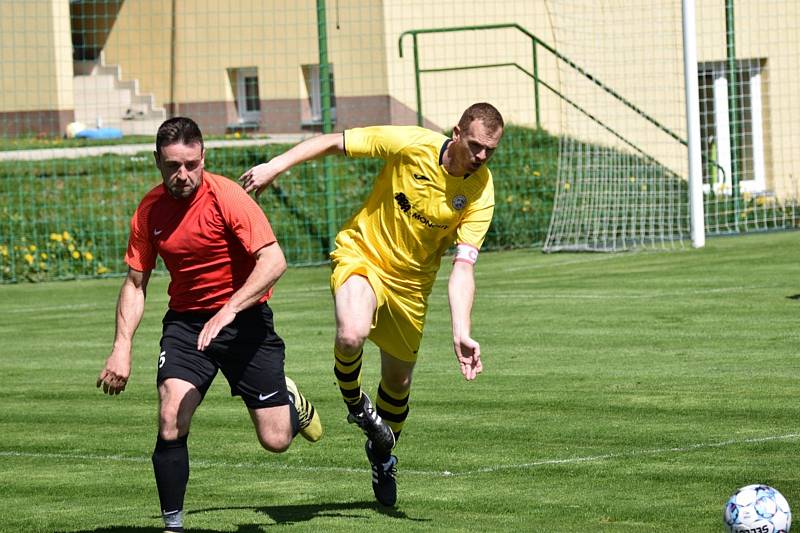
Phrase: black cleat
(384,484)
(373,426)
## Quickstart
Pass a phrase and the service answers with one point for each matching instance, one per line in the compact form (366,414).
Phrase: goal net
(623,165)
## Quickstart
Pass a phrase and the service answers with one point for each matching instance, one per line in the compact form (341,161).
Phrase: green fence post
(416,78)
(536,83)
(325,90)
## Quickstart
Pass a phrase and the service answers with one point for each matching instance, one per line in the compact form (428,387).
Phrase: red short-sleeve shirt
(207,241)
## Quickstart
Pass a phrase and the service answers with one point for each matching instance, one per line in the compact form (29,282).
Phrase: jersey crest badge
(459,201)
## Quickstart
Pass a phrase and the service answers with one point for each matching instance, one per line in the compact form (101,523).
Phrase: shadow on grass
(282,515)
(290,514)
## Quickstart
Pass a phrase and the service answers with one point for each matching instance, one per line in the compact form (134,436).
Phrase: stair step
(102,97)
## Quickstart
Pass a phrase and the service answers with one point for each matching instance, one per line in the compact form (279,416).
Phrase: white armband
(466,253)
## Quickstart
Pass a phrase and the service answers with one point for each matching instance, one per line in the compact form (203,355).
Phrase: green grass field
(629,393)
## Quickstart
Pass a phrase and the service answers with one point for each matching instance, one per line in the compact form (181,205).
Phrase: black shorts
(247,351)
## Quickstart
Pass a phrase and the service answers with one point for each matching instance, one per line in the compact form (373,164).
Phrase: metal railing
(535,44)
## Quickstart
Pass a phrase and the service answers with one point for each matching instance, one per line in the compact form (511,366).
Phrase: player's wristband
(466,253)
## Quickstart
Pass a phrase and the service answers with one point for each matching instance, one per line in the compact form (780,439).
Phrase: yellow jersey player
(432,192)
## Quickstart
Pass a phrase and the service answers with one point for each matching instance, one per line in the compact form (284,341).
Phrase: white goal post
(692,97)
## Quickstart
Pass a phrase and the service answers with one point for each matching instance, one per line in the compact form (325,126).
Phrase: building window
(717,126)
(312,108)
(248,101)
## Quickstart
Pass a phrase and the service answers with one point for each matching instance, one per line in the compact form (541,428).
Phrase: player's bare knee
(168,432)
(349,340)
(275,442)
(167,416)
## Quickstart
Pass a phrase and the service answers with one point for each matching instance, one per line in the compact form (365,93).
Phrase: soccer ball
(757,509)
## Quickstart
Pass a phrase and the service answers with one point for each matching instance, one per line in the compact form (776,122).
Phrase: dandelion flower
(56,237)
(101,269)
(71,247)
(32,247)
(66,236)
(43,256)
(28,258)
(88,256)
(76,254)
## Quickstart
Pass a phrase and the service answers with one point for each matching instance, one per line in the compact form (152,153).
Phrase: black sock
(171,467)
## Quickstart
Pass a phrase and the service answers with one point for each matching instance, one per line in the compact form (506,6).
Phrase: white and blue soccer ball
(757,509)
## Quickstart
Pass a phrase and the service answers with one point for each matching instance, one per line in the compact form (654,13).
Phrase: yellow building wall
(274,36)
(35,56)
(139,43)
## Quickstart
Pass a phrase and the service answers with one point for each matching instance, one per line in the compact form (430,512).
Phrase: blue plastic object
(99,133)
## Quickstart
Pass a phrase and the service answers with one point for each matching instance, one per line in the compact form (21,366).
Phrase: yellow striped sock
(348,374)
(392,406)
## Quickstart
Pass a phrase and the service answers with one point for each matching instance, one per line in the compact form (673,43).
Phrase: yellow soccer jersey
(416,209)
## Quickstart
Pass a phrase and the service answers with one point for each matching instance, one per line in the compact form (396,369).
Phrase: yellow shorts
(400,315)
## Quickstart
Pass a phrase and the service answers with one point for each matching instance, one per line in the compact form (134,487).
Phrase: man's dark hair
(178,130)
(484,112)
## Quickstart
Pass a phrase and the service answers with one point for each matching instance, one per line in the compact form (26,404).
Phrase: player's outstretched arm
(461,290)
(260,176)
(130,308)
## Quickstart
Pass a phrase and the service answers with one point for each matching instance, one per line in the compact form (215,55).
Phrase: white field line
(620,294)
(528,294)
(625,455)
(62,307)
(588,258)
(430,473)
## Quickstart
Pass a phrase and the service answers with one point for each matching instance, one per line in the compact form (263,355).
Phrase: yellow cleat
(310,423)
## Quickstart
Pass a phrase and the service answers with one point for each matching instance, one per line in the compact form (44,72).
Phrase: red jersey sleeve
(141,254)
(244,216)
